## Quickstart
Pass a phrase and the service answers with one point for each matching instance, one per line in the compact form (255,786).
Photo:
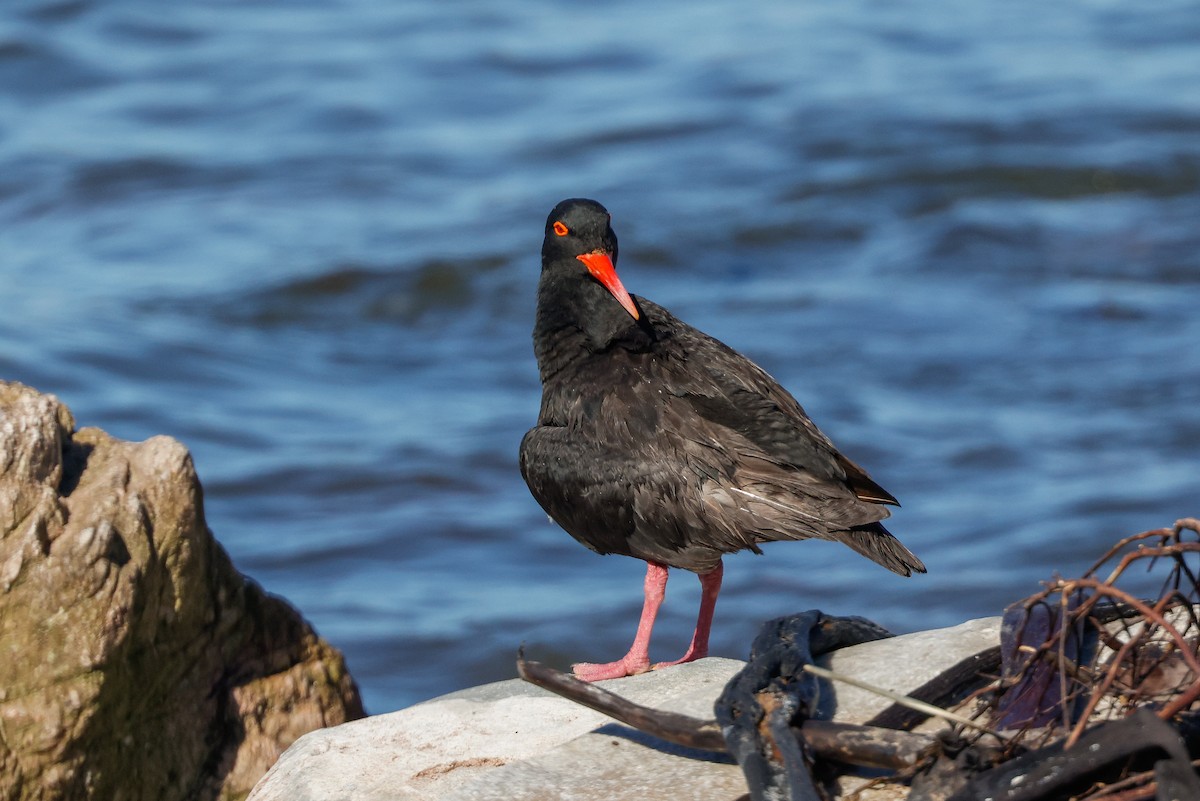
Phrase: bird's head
(579,231)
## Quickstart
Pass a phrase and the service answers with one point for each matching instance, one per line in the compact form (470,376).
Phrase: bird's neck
(578,318)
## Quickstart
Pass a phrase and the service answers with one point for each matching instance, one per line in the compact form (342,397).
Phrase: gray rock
(503,740)
(511,740)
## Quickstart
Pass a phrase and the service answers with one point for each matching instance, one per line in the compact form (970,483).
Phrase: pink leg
(710,587)
(638,658)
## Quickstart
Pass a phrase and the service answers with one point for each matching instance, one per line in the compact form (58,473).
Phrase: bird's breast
(619,403)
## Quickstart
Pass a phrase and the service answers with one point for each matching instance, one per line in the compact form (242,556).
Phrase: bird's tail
(877,544)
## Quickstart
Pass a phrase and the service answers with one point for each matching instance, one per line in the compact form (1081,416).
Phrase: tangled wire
(1086,650)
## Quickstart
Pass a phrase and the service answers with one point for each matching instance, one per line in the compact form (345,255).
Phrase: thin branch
(904,700)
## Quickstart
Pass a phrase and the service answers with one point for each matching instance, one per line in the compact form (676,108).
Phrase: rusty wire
(1145,652)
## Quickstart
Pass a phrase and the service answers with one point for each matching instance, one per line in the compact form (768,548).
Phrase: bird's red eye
(560,229)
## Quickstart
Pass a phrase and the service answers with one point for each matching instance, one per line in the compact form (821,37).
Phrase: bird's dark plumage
(657,441)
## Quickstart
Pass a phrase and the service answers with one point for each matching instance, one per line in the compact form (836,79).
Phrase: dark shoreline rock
(135,661)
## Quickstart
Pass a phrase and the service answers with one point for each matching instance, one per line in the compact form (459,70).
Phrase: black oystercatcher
(655,440)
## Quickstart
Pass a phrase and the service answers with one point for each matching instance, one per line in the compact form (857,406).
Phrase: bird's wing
(727,389)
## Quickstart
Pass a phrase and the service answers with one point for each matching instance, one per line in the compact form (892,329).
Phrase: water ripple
(305,243)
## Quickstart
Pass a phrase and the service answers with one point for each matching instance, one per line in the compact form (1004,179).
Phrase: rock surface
(511,740)
(135,661)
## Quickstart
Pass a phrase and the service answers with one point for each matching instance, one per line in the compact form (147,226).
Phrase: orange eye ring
(560,229)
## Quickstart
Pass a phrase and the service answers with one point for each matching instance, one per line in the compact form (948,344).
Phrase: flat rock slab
(511,740)
(506,740)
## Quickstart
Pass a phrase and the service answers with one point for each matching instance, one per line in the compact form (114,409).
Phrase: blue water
(303,239)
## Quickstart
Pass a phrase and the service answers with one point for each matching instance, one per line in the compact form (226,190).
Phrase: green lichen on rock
(135,661)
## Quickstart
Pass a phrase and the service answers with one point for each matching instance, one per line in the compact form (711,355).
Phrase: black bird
(655,440)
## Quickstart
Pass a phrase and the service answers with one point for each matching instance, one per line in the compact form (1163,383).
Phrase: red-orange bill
(601,267)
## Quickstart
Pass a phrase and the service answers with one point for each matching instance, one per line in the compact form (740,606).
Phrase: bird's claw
(588,671)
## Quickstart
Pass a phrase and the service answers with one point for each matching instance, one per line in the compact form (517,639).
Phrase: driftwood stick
(670,726)
(866,746)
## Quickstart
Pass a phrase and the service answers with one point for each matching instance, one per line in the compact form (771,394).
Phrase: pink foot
(610,670)
(691,656)
(638,659)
